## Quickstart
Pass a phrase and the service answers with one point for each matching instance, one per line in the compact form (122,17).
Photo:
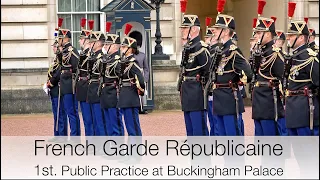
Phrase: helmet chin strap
(294,42)
(219,35)
(260,40)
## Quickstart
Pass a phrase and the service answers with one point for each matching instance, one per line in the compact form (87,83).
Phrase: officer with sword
(232,69)
(109,83)
(193,76)
(267,107)
(70,60)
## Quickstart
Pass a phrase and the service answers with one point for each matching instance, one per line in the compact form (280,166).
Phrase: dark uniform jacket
(271,68)
(231,68)
(109,72)
(198,64)
(94,63)
(82,81)
(131,73)
(212,50)
(54,77)
(314,47)
(303,73)
(70,60)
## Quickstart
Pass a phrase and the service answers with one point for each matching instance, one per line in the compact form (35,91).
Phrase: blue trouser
(270,127)
(131,119)
(114,125)
(212,121)
(229,125)
(98,120)
(196,123)
(71,107)
(304,131)
(62,122)
(87,118)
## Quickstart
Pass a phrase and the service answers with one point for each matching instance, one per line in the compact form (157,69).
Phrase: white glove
(240,88)
(210,98)
(45,88)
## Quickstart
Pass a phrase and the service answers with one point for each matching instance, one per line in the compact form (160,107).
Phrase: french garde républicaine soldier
(70,59)
(194,73)
(267,107)
(302,75)
(60,121)
(212,43)
(82,78)
(232,69)
(109,86)
(131,85)
(97,39)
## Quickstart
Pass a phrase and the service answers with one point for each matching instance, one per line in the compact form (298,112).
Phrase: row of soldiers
(104,79)
(284,86)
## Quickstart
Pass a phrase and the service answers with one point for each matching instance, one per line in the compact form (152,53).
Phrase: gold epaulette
(204,44)
(275,49)
(233,47)
(70,48)
(138,83)
(132,59)
(311,52)
(117,57)
(316,47)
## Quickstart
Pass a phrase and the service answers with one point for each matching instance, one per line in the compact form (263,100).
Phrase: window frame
(101,28)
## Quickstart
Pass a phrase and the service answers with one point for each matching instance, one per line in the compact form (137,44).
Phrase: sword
(58,111)
(311,107)
(235,94)
(275,103)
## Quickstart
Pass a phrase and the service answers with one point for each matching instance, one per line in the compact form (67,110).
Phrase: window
(73,10)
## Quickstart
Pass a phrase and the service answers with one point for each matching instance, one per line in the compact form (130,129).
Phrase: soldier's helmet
(223,20)
(264,24)
(296,27)
(312,32)
(254,23)
(280,35)
(63,33)
(129,41)
(209,31)
(111,38)
(84,32)
(188,20)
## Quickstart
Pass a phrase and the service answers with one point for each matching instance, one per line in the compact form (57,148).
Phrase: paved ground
(157,123)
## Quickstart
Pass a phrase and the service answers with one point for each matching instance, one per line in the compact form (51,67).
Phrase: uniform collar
(227,44)
(113,54)
(214,46)
(129,57)
(97,52)
(67,45)
(194,40)
(267,45)
(300,48)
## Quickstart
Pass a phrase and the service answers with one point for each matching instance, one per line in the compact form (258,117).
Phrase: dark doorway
(137,36)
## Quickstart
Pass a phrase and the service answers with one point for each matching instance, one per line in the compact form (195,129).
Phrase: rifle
(256,60)
(102,73)
(286,71)
(216,58)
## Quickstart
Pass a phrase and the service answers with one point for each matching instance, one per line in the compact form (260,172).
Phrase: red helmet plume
(261,4)
(108,26)
(220,5)
(60,20)
(208,21)
(127,29)
(183,5)
(91,23)
(254,23)
(291,9)
(83,22)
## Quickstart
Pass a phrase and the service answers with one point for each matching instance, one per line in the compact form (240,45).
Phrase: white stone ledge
(24,32)
(24,50)
(24,14)
(24,63)
(23,2)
